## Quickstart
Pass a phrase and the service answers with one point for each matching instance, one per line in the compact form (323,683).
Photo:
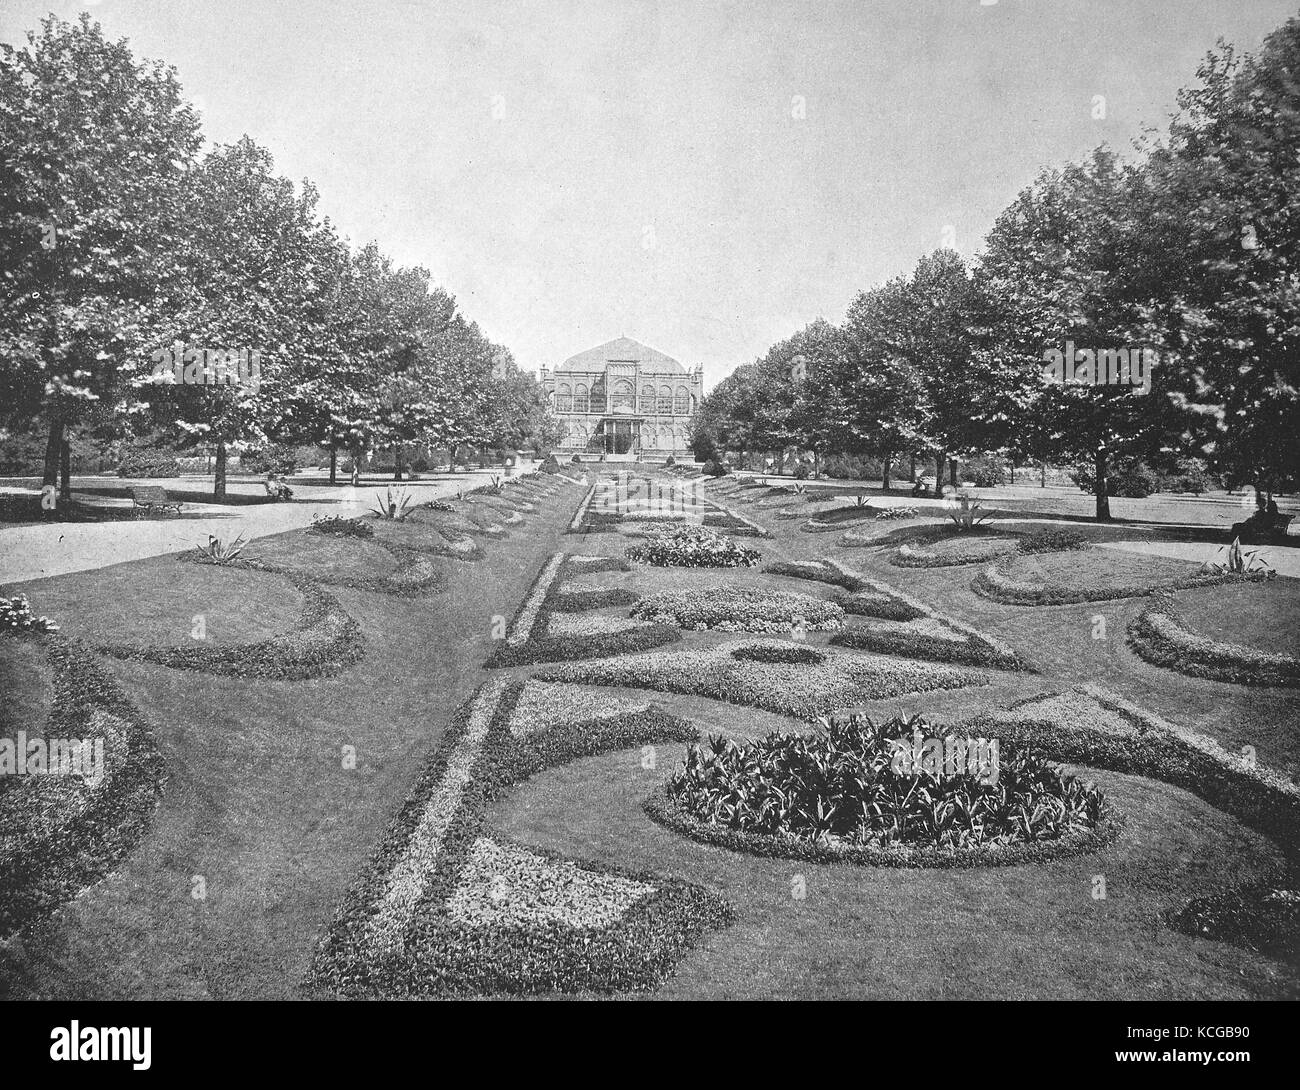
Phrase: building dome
(623,350)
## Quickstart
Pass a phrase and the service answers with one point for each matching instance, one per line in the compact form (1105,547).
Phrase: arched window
(682,402)
(563,398)
(623,396)
(665,406)
(647,398)
(580,399)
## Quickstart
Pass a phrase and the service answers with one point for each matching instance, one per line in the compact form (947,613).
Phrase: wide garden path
(40,550)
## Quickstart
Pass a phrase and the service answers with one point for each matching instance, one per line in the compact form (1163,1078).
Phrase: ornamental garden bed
(323,641)
(65,827)
(1091,575)
(946,549)
(730,609)
(840,795)
(229,606)
(693,547)
(844,679)
(448,907)
(1162,635)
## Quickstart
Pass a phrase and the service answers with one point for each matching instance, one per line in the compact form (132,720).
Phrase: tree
(93,150)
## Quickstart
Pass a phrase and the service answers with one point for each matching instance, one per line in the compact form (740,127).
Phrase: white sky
(642,171)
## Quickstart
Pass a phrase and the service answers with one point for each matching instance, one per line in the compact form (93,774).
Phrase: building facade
(624,399)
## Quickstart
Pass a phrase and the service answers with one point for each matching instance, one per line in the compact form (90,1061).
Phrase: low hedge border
(815,570)
(995,584)
(1256,795)
(93,843)
(532,648)
(1003,655)
(439,957)
(1160,635)
(664,809)
(579,601)
(973,651)
(325,641)
(917,554)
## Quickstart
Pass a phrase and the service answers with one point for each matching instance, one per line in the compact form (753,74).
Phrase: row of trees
(121,238)
(1191,253)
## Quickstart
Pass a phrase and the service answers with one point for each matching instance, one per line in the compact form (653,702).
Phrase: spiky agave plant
(217,551)
(396,504)
(967,516)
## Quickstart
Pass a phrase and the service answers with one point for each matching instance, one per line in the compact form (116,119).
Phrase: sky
(705,176)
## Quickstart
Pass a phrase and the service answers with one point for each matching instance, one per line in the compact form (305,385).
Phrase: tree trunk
(334,464)
(397,463)
(952,473)
(356,466)
(1099,483)
(884,473)
(53,447)
(940,460)
(913,472)
(1042,474)
(65,470)
(219,480)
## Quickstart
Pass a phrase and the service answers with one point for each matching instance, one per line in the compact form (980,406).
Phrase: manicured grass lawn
(155,602)
(1100,567)
(877,933)
(1261,615)
(323,556)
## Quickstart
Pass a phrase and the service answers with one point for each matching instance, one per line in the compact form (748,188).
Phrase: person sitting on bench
(277,488)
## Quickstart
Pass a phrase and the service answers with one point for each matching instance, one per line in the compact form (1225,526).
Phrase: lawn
(427,789)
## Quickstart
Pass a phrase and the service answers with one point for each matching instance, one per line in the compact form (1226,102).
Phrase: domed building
(624,399)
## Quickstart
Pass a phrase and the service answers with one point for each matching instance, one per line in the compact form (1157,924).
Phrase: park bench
(149,498)
(1261,528)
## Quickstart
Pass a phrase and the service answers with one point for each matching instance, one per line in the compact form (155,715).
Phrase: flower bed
(971,548)
(446,908)
(571,600)
(843,680)
(895,638)
(998,584)
(1259,917)
(325,642)
(60,834)
(837,796)
(693,547)
(1160,635)
(725,609)
(531,639)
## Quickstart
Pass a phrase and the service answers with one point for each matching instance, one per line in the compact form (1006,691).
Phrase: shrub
(1126,477)
(16,616)
(550,465)
(1052,539)
(984,472)
(338,526)
(866,785)
(575,460)
(671,462)
(693,547)
(714,468)
(724,609)
(801,472)
(275,459)
(148,463)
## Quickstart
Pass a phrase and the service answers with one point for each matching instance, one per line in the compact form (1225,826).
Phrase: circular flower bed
(858,792)
(694,547)
(726,609)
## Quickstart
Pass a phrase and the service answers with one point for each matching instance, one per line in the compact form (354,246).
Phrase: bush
(693,547)
(148,463)
(421,464)
(1189,477)
(875,786)
(671,461)
(801,472)
(338,526)
(714,468)
(550,465)
(575,460)
(278,460)
(1053,539)
(1127,477)
(984,472)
